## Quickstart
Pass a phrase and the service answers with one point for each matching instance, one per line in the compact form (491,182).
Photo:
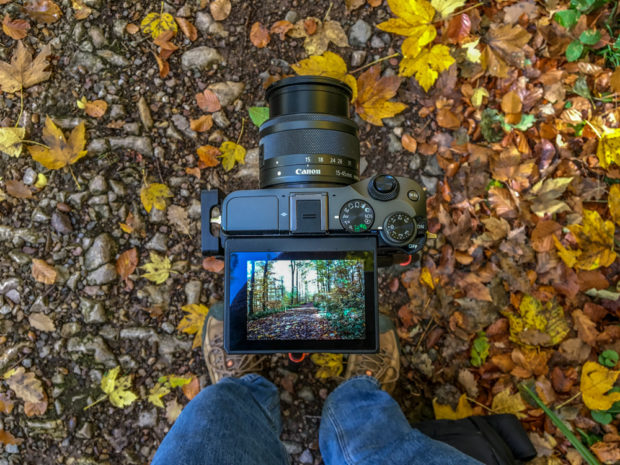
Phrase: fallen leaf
(188,28)
(132,28)
(537,323)
(18,189)
(607,452)
(259,35)
(445,412)
(614,81)
(329,64)
(316,42)
(413,20)
(154,195)
(23,71)
(373,93)
(43,272)
(59,152)
(25,385)
(258,115)
(329,365)
(80,10)
(458,28)
(427,65)
(43,11)
(478,96)
(586,328)
(213,264)
(156,393)
(511,102)
(126,263)
(409,143)
(446,7)
(163,65)
(596,381)
(158,270)
(479,350)
(173,410)
(504,402)
(118,389)
(191,389)
(202,124)
(193,321)
(7,438)
(608,150)
(11,141)
(41,322)
(545,194)
(220,9)
(505,46)
(6,404)
(32,409)
(613,202)
(15,28)
(96,108)
(208,101)
(446,118)
(157,23)
(208,156)
(231,154)
(177,216)
(281,28)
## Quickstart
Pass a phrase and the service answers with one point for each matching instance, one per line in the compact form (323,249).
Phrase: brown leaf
(18,189)
(41,321)
(15,28)
(458,28)
(373,95)
(447,119)
(23,71)
(511,103)
(25,385)
(6,404)
(353,4)
(615,80)
(545,391)
(80,10)
(586,328)
(178,217)
(43,11)
(563,382)
(8,439)
(542,240)
(201,124)
(593,279)
(96,108)
(164,67)
(310,25)
(208,101)
(259,35)
(409,143)
(213,264)
(502,202)
(505,47)
(191,389)
(32,409)
(188,28)
(195,171)
(126,263)
(132,28)
(59,151)
(208,156)
(607,452)
(220,9)
(43,272)
(281,28)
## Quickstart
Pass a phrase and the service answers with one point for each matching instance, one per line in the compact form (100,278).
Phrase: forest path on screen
(303,322)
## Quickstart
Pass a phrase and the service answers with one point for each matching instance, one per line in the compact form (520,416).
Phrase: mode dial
(357,216)
(399,228)
(383,187)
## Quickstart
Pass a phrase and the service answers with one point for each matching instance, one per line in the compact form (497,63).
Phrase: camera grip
(209,199)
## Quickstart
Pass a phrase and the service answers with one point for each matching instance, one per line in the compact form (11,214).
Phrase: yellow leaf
(117,389)
(414,19)
(537,323)
(176,381)
(478,95)
(504,402)
(23,72)
(193,322)
(59,152)
(330,65)
(613,201)
(608,151)
(26,386)
(426,278)
(596,381)
(154,195)
(595,239)
(11,141)
(156,393)
(81,11)
(446,7)
(157,23)
(471,52)
(372,103)
(231,153)
(173,410)
(545,196)
(81,103)
(330,365)
(445,412)
(158,270)
(427,65)
(41,181)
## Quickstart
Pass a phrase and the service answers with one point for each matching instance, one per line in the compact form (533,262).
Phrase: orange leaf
(208,156)
(213,264)
(447,119)
(43,272)
(43,11)
(32,409)
(281,28)
(18,189)
(164,67)
(310,25)
(220,9)
(188,28)
(6,404)
(458,28)
(259,35)
(191,389)
(126,263)
(7,438)
(193,171)
(15,28)
(373,94)
(96,108)
(132,28)
(208,101)
(511,103)
(201,124)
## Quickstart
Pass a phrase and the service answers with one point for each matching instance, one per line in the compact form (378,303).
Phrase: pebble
(220,119)
(70,329)
(192,291)
(98,185)
(250,168)
(7,284)
(117,111)
(286,397)
(141,145)
(91,63)
(394,144)
(61,222)
(39,216)
(292,447)
(357,58)
(14,296)
(227,91)
(432,167)
(98,146)
(92,311)
(359,33)
(416,162)
(159,242)
(306,394)
(200,58)
(97,36)
(19,257)
(147,418)
(363,164)
(86,431)
(429,183)
(376,42)
(102,275)
(113,58)
(92,345)
(291,16)
(30,176)
(145,113)
(203,21)
(306,457)
(102,250)
(182,124)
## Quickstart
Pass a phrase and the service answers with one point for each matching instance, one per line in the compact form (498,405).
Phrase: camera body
(301,253)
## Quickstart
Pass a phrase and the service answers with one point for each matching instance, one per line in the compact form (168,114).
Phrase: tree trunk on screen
(251,306)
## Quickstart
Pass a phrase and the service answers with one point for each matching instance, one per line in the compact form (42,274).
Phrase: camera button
(413,196)
(383,187)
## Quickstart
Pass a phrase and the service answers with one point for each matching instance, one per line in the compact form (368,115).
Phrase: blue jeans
(237,422)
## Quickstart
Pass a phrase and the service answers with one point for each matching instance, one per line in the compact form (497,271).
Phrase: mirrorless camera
(301,252)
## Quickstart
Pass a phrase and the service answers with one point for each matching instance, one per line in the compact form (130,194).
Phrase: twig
(459,12)
(480,405)
(101,399)
(241,133)
(393,55)
(74,178)
(568,401)
(21,106)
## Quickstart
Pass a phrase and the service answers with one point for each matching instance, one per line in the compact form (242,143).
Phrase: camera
(301,252)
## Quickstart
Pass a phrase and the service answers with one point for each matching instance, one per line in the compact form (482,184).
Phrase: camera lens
(309,138)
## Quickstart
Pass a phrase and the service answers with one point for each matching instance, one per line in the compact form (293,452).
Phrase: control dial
(383,187)
(399,228)
(357,216)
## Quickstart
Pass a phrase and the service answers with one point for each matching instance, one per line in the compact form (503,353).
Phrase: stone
(141,145)
(182,124)
(220,119)
(432,167)
(394,144)
(98,146)
(86,431)
(203,21)
(145,113)
(291,16)
(376,42)
(286,397)
(292,447)
(306,457)
(250,168)
(70,329)
(117,111)
(192,291)
(10,283)
(101,251)
(416,162)
(30,176)
(357,58)
(19,257)
(96,35)
(359,33)
(102,275)
(87,61)
(92,311)
(158,242)
(395,121)
(200,58)
(98,185)
(429,183)
(92,345)
(61,222)
(217,29)
(306,394)
(113,58)
(147,418)
(14,296)
(39,216)
(227,91)
(363,164)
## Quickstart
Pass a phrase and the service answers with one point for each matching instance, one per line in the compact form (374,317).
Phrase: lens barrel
(309,138)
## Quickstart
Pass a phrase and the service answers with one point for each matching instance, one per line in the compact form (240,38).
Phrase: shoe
(219,363)
(384,365)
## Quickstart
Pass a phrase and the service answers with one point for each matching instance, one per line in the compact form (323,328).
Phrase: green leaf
(574,50)
(527,121)
(590,439)
(567,18)
(581,88)
(590,37)
(604,418)
(259,115)
(582,5)
(608,358)
(480,349)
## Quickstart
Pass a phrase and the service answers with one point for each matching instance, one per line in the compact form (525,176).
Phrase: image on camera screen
(305,299)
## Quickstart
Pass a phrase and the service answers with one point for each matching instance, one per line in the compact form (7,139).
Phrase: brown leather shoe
(384,365)
(219,363)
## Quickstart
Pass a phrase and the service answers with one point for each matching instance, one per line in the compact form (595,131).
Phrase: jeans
(237,422)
